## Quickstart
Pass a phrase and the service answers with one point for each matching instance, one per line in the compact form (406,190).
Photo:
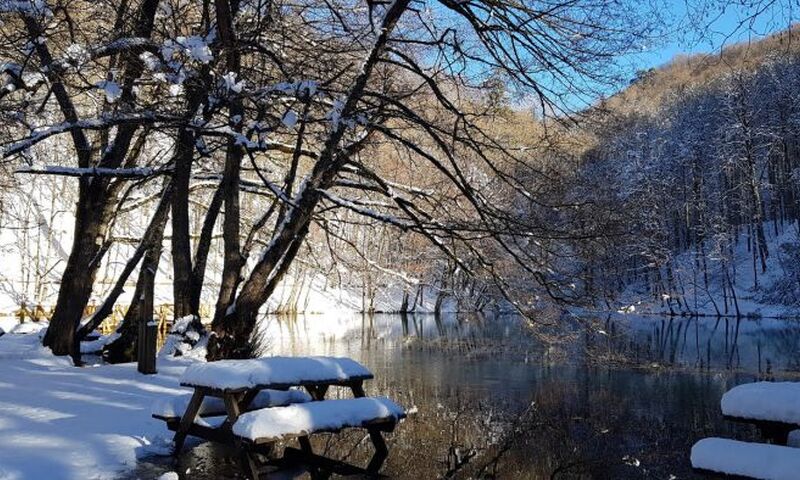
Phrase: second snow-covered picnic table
(253,404)
(774,408)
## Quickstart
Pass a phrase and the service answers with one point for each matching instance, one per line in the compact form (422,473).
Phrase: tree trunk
(203,247)
(181,246)
(95,194)
(123,349)
(231,336)
(153,234)
(232,262)
(91,223)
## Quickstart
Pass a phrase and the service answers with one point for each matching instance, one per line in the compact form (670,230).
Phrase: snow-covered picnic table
(773,407)
(253,404)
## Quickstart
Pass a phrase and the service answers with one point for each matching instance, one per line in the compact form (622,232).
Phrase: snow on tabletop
(314,416)
(753,460)
(236,374)
(775,401)
(174,405)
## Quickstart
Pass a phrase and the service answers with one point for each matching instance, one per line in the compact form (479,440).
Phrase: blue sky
(721,26)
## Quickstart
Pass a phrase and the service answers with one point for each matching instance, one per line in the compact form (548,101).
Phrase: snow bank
(29,328)
(315,416)
(237,374)
(14,346)
(774,401)
(174,406)
(754,460)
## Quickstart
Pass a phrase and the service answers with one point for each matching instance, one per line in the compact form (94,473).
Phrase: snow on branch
(342,202)
(261,145)
(142,172)
(77,54)
(90,124)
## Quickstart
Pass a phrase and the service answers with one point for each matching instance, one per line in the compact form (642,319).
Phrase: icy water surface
(604,397)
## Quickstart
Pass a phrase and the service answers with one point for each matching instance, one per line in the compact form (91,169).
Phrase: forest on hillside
(700,161)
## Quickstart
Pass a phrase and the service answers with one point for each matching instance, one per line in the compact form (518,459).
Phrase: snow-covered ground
(61,422)
(757,293)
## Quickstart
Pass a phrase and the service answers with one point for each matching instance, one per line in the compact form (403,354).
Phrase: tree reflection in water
(600,397)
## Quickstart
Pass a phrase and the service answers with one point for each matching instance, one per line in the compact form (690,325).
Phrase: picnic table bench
(773,407)
(254,404)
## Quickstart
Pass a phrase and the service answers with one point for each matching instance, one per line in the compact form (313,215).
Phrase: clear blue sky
(721,27)
(705,26)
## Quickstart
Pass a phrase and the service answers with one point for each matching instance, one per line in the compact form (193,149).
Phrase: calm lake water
(613,397)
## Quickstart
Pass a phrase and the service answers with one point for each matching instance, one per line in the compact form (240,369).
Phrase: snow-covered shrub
(186,335)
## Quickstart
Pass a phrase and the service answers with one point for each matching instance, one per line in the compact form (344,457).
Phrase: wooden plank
(718,475)
(205,432)
(386,424)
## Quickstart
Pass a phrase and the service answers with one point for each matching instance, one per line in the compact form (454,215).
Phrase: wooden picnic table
(772,407)
(274,374)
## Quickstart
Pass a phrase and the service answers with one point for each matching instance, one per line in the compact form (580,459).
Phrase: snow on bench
(273,372)
(767,401)
(754,460)
(274,424)
(167,408)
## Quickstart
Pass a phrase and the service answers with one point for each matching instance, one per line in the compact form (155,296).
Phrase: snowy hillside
(724,285)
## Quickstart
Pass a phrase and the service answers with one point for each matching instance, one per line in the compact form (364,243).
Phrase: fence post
(148,329)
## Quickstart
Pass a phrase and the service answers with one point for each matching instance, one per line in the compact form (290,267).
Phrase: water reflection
(763,346)
(601,397)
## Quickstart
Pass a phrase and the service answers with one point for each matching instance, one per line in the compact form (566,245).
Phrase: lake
(596,397)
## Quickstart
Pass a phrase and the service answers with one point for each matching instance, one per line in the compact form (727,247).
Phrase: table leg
(232,407)
(381,451)
(317,392)
(249,464)
(247,399)
(305,444)
(358,389)
(187,420)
